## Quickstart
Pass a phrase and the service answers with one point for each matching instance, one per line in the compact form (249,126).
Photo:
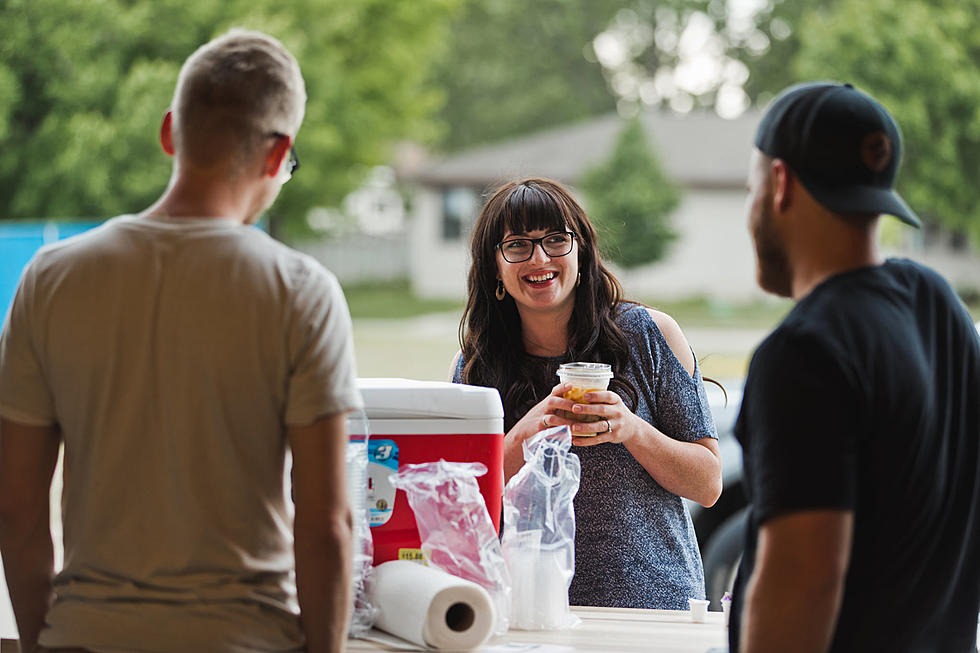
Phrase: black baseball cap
(842,144)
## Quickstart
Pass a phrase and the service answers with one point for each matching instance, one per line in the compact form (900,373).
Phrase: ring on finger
(608,426)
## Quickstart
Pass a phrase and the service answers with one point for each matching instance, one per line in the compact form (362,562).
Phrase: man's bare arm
(323,531)
(794,594)
(28,455)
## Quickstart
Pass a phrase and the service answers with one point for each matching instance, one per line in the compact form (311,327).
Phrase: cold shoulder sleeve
(675,401)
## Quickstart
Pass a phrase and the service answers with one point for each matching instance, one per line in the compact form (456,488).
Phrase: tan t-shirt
(173,353)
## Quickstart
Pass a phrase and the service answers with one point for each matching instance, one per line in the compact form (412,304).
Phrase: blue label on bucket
(382,462)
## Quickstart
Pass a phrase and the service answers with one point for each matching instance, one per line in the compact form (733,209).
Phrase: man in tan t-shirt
(177,353)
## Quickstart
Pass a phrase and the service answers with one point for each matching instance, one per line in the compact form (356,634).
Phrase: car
(720,529)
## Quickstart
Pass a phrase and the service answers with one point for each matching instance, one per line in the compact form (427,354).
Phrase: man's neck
(832,252)
(203,196)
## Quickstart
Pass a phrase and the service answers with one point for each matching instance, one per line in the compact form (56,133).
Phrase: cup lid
(594,370)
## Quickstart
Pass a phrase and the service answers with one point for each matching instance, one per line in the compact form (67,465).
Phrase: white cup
(699,609)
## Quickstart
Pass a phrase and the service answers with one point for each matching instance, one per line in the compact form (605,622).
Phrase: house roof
(697,150)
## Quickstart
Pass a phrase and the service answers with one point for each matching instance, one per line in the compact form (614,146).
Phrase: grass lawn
(397,334)
(717,314)
(395,301)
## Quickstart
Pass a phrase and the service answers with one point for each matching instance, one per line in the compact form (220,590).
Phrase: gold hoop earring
(500,292)
(578,279)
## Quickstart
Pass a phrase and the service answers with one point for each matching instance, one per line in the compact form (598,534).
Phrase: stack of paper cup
(726,605)
(540,590)
(699,609)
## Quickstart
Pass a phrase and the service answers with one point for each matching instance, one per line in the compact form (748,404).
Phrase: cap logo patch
(876,151)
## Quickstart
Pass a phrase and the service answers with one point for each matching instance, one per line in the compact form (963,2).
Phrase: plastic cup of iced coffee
(584,378)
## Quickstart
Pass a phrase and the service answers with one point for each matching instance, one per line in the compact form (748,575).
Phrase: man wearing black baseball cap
(860,419)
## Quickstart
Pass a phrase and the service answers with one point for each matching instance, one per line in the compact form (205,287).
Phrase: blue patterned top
(635,545)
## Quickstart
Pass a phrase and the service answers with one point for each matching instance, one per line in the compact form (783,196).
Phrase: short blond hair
(233,92)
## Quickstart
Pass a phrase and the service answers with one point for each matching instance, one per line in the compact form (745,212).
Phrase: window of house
(959,241)
(459,207)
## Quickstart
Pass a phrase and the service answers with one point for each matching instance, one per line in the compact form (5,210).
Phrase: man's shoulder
(919,278)
(805,341)
(795,333)
(910,273)
(77,246)
(304,266)
(130,239)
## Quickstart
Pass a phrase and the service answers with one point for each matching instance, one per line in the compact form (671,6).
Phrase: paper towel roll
(429,607)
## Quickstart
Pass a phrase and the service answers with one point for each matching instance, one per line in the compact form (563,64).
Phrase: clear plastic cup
(584,377)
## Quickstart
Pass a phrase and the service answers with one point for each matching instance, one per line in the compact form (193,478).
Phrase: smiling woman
(539,296)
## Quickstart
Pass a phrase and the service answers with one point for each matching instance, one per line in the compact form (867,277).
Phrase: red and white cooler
(412,422)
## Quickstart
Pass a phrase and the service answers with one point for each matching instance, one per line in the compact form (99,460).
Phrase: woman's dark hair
(490,330)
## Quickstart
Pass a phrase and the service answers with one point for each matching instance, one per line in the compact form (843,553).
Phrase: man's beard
(773,269)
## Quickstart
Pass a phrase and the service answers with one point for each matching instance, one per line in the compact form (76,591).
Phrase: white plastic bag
(539,531)
(455,528)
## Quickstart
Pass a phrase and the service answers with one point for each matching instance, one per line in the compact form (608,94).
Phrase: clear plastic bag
(362,572)
(539,531)
(455,528)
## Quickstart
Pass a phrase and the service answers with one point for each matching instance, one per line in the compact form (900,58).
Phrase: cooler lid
(410,399)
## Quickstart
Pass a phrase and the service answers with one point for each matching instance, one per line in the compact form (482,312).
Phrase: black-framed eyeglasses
(518,250)
(292,163)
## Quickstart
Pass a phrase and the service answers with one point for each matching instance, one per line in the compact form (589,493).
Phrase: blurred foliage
(516,66)
(649,71)
(85,83)
(918,58)
(630,200)
(780,23)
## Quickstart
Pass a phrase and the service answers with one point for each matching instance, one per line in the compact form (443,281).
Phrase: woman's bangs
(530,209)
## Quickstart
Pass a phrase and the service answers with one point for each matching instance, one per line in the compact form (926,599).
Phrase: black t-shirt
(867,398)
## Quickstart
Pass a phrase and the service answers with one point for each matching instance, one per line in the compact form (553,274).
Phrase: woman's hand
(688,469)
(606,419)
(542,416)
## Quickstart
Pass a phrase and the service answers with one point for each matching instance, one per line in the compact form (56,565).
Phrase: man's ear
(167,133)
(781,178)
(277,155)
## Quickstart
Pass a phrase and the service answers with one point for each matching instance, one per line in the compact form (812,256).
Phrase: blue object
(19,241)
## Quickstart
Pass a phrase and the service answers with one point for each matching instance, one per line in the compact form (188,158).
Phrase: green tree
(516,66)
(919,58)
(630,200)
(83,86)
(741,51)
(777,27)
